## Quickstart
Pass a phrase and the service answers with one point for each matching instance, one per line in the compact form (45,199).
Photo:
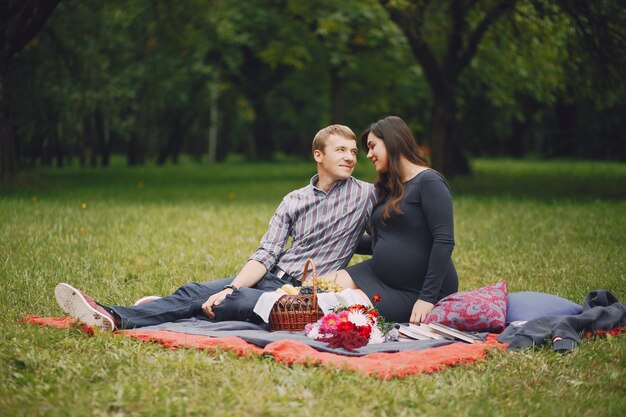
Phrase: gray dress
(411,252)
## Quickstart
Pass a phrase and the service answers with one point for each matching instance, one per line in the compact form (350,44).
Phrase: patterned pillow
(481,310)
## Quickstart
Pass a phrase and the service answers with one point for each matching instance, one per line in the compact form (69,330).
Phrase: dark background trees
(20,20)
(154,79)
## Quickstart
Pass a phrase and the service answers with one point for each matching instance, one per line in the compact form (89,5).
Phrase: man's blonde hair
(319,141)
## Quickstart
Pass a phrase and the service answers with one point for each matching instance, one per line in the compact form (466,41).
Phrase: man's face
(338,158)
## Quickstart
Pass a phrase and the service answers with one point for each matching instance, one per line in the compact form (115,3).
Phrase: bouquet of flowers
(352,327)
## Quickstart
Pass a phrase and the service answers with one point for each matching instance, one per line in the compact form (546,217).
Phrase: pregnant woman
(412,228)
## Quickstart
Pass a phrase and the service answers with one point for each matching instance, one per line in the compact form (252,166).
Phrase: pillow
(530,305)
(481,310)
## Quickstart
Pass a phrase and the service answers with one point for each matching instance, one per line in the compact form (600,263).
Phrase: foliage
(156,80)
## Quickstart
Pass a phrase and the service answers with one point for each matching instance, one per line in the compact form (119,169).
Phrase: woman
(412,229)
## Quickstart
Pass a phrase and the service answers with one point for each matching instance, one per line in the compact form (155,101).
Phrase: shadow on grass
(544,180)
(172,183)
(246,182)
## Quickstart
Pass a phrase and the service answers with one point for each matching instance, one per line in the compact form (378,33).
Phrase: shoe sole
(74,304)
(146,300)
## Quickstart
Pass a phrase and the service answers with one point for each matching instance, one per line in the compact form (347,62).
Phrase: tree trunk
(258,80)
(20,21)
(262,132)
(105,159)
(8,150)
(565,137)
(338,96)
(84,145)
(213,120)
(58,146)
(521,130)
(104,138)
(44,152)
(92,141)
(135,151)
(173,143)
(447,155)
(228,127)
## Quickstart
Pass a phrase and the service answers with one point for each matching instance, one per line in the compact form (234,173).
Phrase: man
(325,220)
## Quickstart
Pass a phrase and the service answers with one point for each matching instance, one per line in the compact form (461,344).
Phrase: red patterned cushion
(481,310)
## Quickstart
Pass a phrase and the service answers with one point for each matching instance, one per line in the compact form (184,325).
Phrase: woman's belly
(400,266)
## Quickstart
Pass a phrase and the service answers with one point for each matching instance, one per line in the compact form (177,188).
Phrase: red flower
(345,326)
(357,307)
(376,298)
(348,340)
(364,331)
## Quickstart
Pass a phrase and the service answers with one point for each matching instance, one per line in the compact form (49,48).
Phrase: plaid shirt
(323,226)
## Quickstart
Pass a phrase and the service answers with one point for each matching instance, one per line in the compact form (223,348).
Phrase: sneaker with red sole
(83,308)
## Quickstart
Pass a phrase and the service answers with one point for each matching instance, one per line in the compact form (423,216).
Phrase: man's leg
(185,302)
(240,304)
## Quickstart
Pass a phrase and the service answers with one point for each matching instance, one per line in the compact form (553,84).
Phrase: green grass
(558,227)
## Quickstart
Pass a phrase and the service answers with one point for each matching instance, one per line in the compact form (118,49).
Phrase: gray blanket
(260,335)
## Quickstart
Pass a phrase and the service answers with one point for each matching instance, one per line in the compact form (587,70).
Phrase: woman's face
(377,153)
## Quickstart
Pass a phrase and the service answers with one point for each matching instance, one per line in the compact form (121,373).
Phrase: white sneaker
(82,307)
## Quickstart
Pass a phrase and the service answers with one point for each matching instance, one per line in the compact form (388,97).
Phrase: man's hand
(421,310)
(215,300)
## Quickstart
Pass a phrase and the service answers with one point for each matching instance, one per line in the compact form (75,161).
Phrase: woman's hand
(421,310)
(215,300)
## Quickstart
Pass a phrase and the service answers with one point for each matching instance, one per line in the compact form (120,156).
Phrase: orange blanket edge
(379,365)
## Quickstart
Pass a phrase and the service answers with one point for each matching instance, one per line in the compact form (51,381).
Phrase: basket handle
(313,279)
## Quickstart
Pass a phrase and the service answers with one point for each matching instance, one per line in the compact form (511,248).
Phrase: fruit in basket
(289,289)
(323,285)
(306,290)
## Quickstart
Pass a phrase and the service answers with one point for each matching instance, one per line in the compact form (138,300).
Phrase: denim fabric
(186,302)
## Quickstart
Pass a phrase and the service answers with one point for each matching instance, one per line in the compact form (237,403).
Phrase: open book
(437,331)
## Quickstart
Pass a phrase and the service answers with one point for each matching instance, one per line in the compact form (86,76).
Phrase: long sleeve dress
(411,257)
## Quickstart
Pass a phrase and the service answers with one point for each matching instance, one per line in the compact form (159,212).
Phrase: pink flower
(329,323)
(343,315)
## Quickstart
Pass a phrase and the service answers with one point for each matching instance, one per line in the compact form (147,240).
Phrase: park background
(145,144)
(154,80)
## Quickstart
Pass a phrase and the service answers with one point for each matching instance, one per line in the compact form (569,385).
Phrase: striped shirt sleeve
(275,238)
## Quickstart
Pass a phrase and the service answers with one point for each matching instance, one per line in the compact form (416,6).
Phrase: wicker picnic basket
(293,312)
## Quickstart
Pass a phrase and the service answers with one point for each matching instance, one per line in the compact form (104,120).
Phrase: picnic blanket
(386,360)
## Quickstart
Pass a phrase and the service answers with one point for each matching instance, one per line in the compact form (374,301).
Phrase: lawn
(122,233)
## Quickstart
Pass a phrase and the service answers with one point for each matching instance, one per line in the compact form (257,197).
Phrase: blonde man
(324,219)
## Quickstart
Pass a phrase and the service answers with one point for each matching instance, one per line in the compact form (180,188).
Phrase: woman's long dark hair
(399,141)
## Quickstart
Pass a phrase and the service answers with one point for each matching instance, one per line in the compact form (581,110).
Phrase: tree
(156,79)
(464,24)
(266,44)
(21,20)
(445,37)
(516,76)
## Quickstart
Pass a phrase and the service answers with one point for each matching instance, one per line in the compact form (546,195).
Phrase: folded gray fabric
(601,311)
